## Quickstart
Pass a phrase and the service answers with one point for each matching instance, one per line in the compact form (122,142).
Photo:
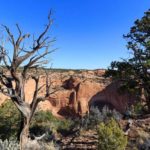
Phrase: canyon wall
(76,92)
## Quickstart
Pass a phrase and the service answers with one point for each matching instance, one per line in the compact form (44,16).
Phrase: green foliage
(110,136)
(125,73)
(9,120)
(44,116)
(67,70)
(138,108)
(134,73)
(43,121)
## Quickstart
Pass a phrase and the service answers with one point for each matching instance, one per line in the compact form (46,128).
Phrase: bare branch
(13,84)
(9,34)
(34,60)
(46,29)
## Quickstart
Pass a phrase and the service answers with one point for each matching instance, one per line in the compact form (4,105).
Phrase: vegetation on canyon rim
(27,123)
(134,73)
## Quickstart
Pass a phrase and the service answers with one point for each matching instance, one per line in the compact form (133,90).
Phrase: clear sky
(89,32)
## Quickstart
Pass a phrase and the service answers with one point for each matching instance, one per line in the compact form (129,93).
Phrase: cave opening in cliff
(101,104)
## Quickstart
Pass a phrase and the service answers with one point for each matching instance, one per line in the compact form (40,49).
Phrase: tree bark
(20,127)
(26,142)
(24,136)
(25,139)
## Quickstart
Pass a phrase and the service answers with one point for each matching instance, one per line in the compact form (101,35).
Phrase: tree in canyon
(26,53)
(134,73)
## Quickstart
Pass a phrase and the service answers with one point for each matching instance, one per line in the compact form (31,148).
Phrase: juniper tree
(134,73)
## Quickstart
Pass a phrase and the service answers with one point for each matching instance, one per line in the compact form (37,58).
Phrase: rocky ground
(137,133)
(86,140)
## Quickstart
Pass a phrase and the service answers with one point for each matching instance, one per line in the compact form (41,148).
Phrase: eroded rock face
(85,92)
(79,92)
(111,97)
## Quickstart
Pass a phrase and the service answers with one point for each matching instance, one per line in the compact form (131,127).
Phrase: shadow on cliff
(69,111)
(111,97)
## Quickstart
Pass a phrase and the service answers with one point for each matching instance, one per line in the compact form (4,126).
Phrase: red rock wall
(79,92)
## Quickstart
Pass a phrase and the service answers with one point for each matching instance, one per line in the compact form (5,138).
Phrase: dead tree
(14,72)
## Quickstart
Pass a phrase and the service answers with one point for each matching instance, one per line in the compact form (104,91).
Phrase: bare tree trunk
(13,83)
(20,127)
(26,142)
(24,136)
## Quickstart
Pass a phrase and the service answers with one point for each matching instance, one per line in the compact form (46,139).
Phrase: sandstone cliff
(79,91)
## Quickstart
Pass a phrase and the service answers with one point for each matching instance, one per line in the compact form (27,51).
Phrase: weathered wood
(13,83)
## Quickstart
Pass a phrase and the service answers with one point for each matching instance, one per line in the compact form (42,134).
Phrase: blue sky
(89,32)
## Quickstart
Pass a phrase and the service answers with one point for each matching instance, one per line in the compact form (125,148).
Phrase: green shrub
(43,121)
(44,116)
(9,120)
(110,136)
(138,108)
